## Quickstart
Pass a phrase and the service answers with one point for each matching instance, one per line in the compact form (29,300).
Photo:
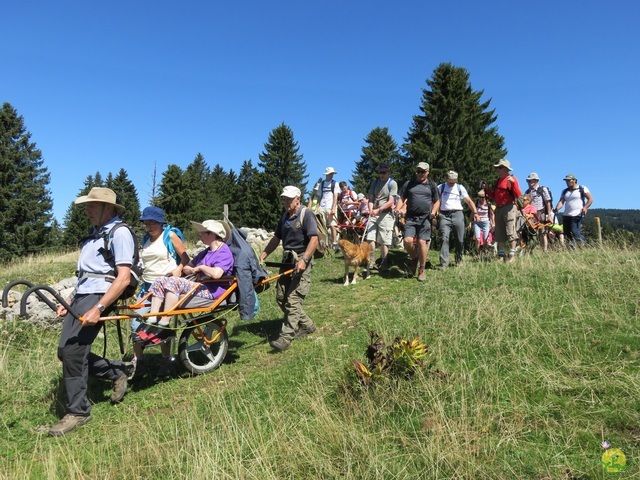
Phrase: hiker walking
(576,199)
(328,191)
(504,193)
(382,195)
(420,200)
(97,289)
(542,200)
(452,194)
(298,231)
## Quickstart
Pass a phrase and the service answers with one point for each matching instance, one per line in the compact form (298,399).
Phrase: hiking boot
(68,423)
(280,344)
(422,276)
(119,388)
(303,332)
(166,367)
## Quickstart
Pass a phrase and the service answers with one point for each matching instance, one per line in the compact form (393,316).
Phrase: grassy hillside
(533,365)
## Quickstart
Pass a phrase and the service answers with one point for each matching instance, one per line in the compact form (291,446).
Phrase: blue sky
(110,85)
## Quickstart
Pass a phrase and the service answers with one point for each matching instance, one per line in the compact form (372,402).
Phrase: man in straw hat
(95,293)
(298,231)
(505,193)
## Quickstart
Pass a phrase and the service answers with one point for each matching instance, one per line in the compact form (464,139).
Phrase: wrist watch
(100,307)
(306,260)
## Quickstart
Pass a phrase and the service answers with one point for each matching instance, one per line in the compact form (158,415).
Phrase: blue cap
(153,213)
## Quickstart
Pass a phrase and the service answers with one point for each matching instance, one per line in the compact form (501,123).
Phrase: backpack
(323,235)
(540,190)
(166,239)
(388,186)
(136,267)
(582,195)
(441,190)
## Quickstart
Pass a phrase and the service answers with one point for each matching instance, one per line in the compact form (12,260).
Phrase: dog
(354,255)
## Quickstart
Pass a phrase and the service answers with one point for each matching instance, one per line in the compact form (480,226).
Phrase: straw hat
(102,195)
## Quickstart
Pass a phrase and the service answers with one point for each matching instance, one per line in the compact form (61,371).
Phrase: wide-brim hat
(329,170)
(220,228)
(533,176)
(153,213)
(102,195)
(503,162)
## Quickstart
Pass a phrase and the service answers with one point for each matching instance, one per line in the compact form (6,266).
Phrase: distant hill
(627,219)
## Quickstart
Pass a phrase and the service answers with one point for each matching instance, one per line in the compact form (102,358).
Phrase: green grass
(533,365)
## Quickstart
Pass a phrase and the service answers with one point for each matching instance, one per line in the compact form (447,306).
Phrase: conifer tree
(281,165)
(246,211)
(173,197)
(126,196)
(380,148)
(25,199)
(455,130)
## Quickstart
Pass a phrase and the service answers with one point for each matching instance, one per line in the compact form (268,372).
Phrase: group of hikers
(110,255)
(502,217)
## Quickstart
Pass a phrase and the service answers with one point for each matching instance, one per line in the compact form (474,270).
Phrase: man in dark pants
(97,289)
(298,231)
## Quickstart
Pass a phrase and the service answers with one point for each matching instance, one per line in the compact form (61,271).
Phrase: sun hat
(221,229)
(503,162)
(481,193)
(533,176)
(570,176)
(451,175)
(423,166)
(102,195)
(290,192)
(360,196)
(329,170)
(153,213)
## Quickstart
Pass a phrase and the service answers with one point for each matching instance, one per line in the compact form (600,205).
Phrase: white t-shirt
(573,202)
(326,196)
(451,197)
(156,260)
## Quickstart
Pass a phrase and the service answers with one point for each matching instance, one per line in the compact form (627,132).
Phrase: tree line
(455,130)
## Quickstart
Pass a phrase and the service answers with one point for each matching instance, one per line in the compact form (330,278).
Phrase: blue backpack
(166,239)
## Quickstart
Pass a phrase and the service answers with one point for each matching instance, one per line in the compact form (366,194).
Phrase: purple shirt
(221,258)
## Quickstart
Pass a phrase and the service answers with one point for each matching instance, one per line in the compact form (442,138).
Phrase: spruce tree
(127,196)
(173,197)
(281,165)
(25,199)
(380,148)
(455,130)
(246,211)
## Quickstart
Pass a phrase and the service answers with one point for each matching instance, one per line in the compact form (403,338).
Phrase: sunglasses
(384,173)
(421,171)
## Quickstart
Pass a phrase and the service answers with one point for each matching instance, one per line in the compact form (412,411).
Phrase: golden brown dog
(354,255)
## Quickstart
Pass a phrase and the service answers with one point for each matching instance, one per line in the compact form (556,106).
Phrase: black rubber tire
(198,358)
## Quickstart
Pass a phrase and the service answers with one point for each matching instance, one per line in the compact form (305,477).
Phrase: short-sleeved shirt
(295,235)
(573,202)
(326,192)
(419,196)
(539,196)
(91,261)
(221,258)
(452,197)
(380,192)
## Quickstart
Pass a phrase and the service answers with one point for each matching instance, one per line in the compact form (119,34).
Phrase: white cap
(329,170)
(290,192)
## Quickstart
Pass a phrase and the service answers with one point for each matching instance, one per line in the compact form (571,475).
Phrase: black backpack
(135,277)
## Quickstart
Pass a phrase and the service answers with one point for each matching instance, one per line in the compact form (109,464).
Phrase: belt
(446,212)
